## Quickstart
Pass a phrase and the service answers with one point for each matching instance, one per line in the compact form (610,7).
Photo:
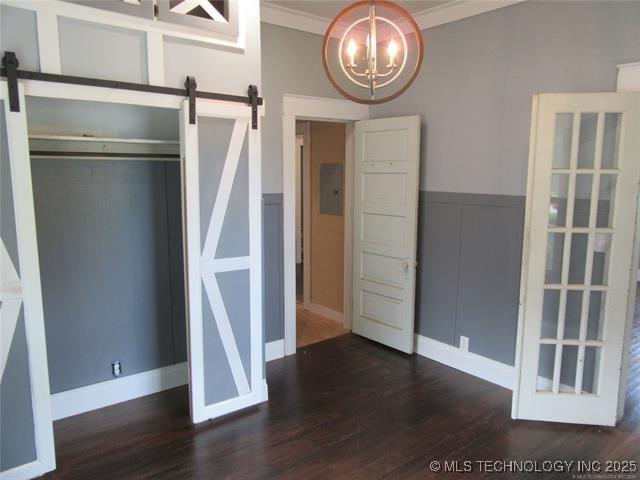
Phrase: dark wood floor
(343,408)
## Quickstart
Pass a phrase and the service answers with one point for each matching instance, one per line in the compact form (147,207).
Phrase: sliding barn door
(26,431)
(222,212)
(387,163)
(578,280)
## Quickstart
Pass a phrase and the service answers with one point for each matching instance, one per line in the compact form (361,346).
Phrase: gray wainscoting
(469,255)
(272,269)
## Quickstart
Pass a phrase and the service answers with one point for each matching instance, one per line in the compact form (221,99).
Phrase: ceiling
(330,8)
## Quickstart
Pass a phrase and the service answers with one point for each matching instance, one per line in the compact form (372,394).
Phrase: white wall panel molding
(48,42)
(471,363)
(89,14)
(289,18)
(431,17)
(628,77)
(155,58)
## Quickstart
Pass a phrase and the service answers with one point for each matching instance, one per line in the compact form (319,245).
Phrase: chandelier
(372,51)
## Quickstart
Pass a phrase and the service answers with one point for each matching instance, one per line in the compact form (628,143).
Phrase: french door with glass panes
(579,259)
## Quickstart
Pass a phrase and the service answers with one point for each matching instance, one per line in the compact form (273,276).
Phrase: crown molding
(290,18)
(431,17)
(458,10)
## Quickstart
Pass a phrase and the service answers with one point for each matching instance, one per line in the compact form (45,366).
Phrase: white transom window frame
(48,11)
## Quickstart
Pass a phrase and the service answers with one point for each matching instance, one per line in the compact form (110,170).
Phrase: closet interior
(107,194)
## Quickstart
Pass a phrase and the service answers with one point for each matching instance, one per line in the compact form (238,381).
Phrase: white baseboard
(274,350)
(98,395)
(28,470)
(327,312)
(471,363)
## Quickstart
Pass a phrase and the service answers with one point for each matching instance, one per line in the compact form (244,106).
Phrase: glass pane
(562,140)
(577,258)
(558,205)
(591,370)
(568,368)
(606,200)
(582,203)
(601,254)
(555,249)
(550,310)
(572,314)
(595,324)
(611,140)
(545,367)
(587,144)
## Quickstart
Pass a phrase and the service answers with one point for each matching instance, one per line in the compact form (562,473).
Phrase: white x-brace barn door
(222,205)
(578,278)
(25,422)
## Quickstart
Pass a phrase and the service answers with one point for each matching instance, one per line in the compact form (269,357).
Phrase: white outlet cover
(464,343)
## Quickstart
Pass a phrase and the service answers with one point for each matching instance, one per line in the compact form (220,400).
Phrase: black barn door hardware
(10,71)
(191,85)
(10,65)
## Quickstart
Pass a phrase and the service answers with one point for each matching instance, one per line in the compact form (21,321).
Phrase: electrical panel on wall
(331,188)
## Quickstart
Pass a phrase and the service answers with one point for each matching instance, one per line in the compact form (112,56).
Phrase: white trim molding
(448,12)
(327,312)
(274,350)
(471,363)
(628,77)
(103,394)
(298,107)
(59,8)
(289,18)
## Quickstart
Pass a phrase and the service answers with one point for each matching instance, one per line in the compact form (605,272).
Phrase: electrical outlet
(116,369)
(464,343)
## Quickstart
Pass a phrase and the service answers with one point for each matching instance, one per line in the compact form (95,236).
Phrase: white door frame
(297,107)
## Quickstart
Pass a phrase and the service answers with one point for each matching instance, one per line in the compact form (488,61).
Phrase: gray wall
(291,63)
(474,90)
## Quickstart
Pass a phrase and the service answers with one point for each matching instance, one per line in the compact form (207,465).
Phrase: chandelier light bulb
(352,49)
(392,50)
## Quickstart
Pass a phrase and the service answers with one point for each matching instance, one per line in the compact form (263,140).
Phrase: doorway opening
(320,230)
(303,110)
(108,213)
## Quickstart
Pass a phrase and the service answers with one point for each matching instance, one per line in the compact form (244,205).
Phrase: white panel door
(387,161)
(578,278)
(223,243)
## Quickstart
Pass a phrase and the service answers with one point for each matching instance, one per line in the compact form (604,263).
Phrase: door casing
(297,107)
